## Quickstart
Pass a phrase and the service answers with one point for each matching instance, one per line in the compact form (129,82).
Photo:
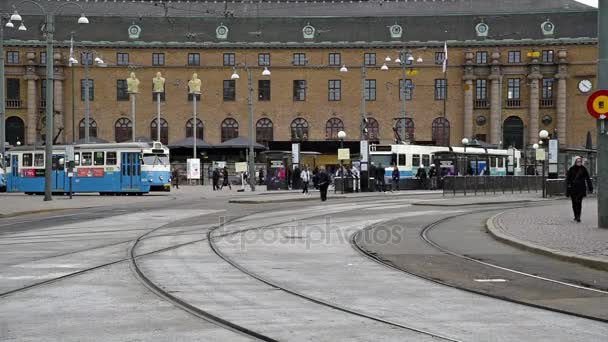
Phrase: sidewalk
(551,230)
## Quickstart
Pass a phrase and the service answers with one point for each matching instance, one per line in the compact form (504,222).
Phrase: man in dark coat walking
(380,182)
(578,181)
(323,179)
(216,179)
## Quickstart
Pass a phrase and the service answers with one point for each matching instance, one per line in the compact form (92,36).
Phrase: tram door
(58,173)
(130,171)
(13,180)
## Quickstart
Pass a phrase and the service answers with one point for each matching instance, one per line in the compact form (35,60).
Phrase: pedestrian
(323,183)
(421,175)
(175,177)
(209,173)
(433,177)
(216,179)
(356,182)
(315,177)
(395,178)
(380,182)
(578,181)
(261,176)
(372,177)
(226,181)
(305,176)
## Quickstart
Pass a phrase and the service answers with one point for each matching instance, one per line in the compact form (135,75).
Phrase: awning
(240,142)
(188,143)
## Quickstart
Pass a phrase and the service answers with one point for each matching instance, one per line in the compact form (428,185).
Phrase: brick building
(514,68)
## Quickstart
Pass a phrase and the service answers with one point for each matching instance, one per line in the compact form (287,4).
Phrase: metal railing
(513,103)
(481,104)
(13,103)
(547,103)
(474,185)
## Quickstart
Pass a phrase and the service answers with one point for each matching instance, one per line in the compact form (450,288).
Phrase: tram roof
(98,146)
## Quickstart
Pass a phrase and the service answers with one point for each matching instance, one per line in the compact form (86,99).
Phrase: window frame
(332,59)
(441,89)
(89,161)
(122,58)
(264,59)
(408,91)
(229,59)
(299,59)
(513,87)
(96,157)
(122,93)
(91,89)
(369,58)
(439,57)
(370,89)
(158,58)
(194,59)
(334,90)
(514,57)
(264,90)
(547,56)
(226,90)
(111,161)
(299,90)
(481,57)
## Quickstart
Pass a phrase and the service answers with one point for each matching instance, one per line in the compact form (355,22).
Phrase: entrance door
(513,133)
(13,179)
(58,173)
(130,171)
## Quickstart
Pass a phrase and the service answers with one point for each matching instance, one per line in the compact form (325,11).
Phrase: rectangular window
(194,59)
(439,56)
(158,59)
(13,89)
(121,90)
(513,89)
(43,58)
(369,59)
(229,90)
(86,58)
(122,58)
(98,160)
(335,59)
(87,159)
(263,59)
(27,159)
(547,56)
(299,90)
(299,59)
(547,93)
(43,91)
(229,59)
(263,90)
(514,57)
(481,93)
(416,160)
(407,89)
(91,85)
(111,158)
(12,57)
(370,90)
(481,57)
(155,95)
(426,160)
(77,158)
(501,162)
(39,159)
(335,90)
(440,89)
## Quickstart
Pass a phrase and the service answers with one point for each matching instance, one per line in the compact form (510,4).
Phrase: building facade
(508,75)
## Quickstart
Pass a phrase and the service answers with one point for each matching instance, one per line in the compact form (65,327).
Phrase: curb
(477,203)
(297,199)
(42,211)
(494,230)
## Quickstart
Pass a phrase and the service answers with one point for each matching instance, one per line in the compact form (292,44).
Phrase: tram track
(423,234)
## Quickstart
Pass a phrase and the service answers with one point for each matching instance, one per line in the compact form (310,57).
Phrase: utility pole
(602,141)
(2,91)
(251,176)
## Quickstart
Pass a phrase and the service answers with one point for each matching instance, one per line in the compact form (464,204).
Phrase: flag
(445,57)
(71,50)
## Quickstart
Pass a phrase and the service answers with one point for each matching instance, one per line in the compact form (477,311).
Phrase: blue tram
(113,168)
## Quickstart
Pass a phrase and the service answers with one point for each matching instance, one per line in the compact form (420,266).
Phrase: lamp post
(49,29)
(404,59)
(87,84)
(602,143)
(4,22)
(341,136)
(235,76)
(535,147)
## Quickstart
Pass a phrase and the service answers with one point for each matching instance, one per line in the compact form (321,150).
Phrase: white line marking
(497,280)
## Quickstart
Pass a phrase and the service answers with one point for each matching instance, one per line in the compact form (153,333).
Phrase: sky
(589,2)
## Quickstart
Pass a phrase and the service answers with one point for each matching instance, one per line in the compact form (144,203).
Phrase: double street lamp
(235,76)
(49,30)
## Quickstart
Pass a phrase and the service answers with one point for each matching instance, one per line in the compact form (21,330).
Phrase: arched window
(373,130)
(513,132)
(409,129)
(332,127)
(230,129)
(441,132)
(199,129)
(123,130)
(299,130)
(92,129)
(15,130)
(164,131)
(264,131)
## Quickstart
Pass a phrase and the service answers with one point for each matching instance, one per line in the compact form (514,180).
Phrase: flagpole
(445,95)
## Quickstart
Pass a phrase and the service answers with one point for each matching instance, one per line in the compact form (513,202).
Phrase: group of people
(379,173)
(215,178)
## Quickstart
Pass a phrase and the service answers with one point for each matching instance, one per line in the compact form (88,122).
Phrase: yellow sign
(534,54)
(412,72)
(240,167)
(343,154)
(540,154)
(600,104)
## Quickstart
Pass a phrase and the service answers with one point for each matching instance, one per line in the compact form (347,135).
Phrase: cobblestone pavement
(553,227)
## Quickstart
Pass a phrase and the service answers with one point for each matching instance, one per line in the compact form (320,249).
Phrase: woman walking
(578,181)
(305,175)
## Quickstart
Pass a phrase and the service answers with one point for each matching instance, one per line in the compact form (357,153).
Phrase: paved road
(70,277)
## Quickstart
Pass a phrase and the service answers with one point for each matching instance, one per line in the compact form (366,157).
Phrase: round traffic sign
(597,104)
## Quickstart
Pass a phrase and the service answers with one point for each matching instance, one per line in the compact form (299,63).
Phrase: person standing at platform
(323,183)
(578,181)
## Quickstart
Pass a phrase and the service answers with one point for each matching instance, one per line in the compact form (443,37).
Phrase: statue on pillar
(159,83)
(132,84)
(194,85)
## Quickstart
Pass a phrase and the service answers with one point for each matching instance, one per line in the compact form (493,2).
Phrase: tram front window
(385,160)
(156,159)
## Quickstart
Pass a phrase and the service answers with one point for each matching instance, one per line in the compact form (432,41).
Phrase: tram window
(110,158)
(38,159)
(8,160)
(27,159)
(77,158)
(492,161)
(87,158)
(402,159)
(98,160)
(415,160)
(426,160)
(501,162)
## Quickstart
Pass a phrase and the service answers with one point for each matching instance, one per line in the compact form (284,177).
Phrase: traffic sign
(597,104)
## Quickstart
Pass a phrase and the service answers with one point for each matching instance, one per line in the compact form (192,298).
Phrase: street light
(9,24)
(341,136)
(343,68)
(465,142)
(49,30)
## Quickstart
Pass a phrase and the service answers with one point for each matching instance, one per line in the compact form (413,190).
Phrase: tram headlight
(150,180)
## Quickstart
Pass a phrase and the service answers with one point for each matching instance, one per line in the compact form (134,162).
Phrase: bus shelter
(281,171)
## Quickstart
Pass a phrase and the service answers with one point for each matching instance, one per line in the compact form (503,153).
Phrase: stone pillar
(561,77)
(495,100)
(31,130)
(469,77)
(58,99)
(534,77)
